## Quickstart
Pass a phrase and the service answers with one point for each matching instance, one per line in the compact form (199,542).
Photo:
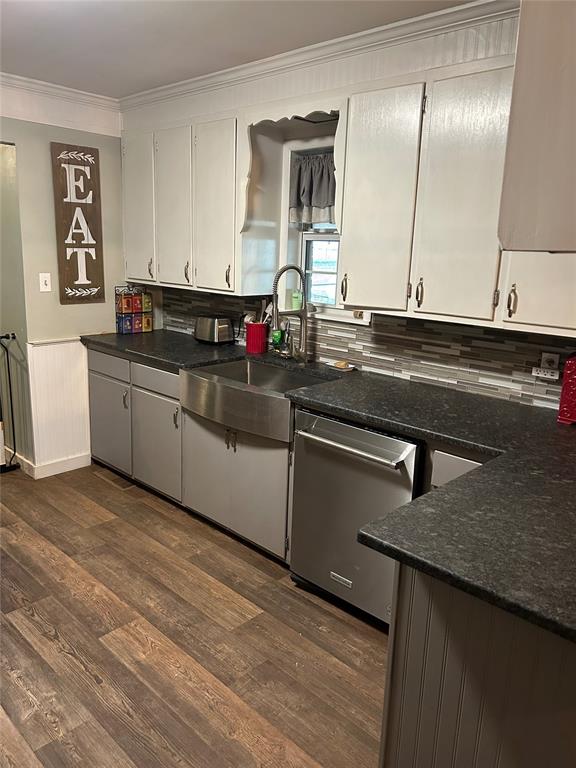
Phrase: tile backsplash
(483,360)
(181,308)
(488,361)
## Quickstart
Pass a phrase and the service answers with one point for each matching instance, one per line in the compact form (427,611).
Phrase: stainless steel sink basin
(244,395)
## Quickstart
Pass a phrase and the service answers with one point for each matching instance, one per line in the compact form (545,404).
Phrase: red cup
(256,338)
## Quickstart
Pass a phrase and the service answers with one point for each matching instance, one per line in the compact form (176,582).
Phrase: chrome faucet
(302,313)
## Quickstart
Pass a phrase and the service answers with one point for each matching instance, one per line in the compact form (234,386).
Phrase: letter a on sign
(76,180)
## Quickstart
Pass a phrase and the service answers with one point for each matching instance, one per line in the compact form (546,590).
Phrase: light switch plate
(45,282)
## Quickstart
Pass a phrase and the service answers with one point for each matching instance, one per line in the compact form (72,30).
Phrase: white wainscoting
(59,399)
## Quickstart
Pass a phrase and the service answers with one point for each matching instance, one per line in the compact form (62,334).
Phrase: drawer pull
(344,287)
(512,303)
(420,292)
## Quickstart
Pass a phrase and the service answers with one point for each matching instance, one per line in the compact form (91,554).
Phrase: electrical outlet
(546,373)
(45,279)
(550,360)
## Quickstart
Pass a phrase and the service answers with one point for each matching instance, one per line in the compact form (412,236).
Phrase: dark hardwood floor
(135,634)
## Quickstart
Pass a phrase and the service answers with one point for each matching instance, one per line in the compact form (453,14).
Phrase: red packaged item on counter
(256,338)
(136,302)
(567,409)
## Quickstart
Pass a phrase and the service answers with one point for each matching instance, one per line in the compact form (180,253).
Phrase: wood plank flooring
(135,634)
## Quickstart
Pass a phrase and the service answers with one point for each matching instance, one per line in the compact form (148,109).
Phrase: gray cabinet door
(110,422)
(238,480)
(156,442)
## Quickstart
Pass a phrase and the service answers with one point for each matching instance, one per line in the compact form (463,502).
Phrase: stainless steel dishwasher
(345,477)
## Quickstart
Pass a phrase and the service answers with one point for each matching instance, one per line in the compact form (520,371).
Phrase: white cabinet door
(173,195)
(379,196)
(540,289)
(214,202)
(539,189)
(237,480)
(138,198)
(456,252)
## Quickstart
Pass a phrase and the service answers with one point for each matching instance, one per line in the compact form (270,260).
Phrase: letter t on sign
(76,181)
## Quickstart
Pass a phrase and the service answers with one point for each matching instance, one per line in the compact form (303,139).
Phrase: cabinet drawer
(116,367)
(156,381)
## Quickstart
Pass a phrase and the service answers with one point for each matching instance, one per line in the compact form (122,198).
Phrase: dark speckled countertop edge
(374,541)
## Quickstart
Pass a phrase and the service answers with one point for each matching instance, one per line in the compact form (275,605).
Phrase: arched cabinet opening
(286,156)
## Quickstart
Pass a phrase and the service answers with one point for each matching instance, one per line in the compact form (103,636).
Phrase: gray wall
(46,318)
(13,307)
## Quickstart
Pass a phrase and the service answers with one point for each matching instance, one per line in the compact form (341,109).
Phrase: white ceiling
(121,47)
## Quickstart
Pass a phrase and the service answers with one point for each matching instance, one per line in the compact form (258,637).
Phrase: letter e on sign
(76,181)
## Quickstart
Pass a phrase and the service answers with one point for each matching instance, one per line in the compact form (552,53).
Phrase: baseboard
(38,471)
(62,465)
(25,464)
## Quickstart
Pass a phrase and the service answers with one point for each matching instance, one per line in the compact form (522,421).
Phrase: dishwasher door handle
(397,463)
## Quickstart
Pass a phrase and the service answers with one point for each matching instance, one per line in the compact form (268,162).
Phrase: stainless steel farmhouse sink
(244,395)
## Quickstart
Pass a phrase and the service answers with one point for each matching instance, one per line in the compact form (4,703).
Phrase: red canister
(567,410)
(256,338)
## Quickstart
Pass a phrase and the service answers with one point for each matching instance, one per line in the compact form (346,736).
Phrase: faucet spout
(301,313)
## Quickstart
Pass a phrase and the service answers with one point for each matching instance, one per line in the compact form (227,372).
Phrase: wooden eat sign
(76,180)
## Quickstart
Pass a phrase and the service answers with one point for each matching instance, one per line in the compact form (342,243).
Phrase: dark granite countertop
(168,350)
(171,350)
(505,532)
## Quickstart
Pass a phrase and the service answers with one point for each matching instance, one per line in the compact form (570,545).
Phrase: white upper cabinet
(538,208)
(539,289)
(138,199)
(379,196)
(214,174)
(173,198)
(456,250)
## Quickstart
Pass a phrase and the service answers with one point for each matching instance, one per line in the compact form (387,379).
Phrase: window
(321,267)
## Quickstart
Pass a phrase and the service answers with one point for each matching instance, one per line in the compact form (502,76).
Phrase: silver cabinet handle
(228,276)
(187,271)
(150,268)
(344,287)
(388,463)
(512,303)
(420,292)
(227,438)
(125,399)
(175,417)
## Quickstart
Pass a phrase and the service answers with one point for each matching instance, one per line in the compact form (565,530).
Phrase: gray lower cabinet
(238,480)
(110,421)
(156,442)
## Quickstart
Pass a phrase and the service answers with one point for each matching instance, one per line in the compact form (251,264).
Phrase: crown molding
(35,101)
(447,20)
